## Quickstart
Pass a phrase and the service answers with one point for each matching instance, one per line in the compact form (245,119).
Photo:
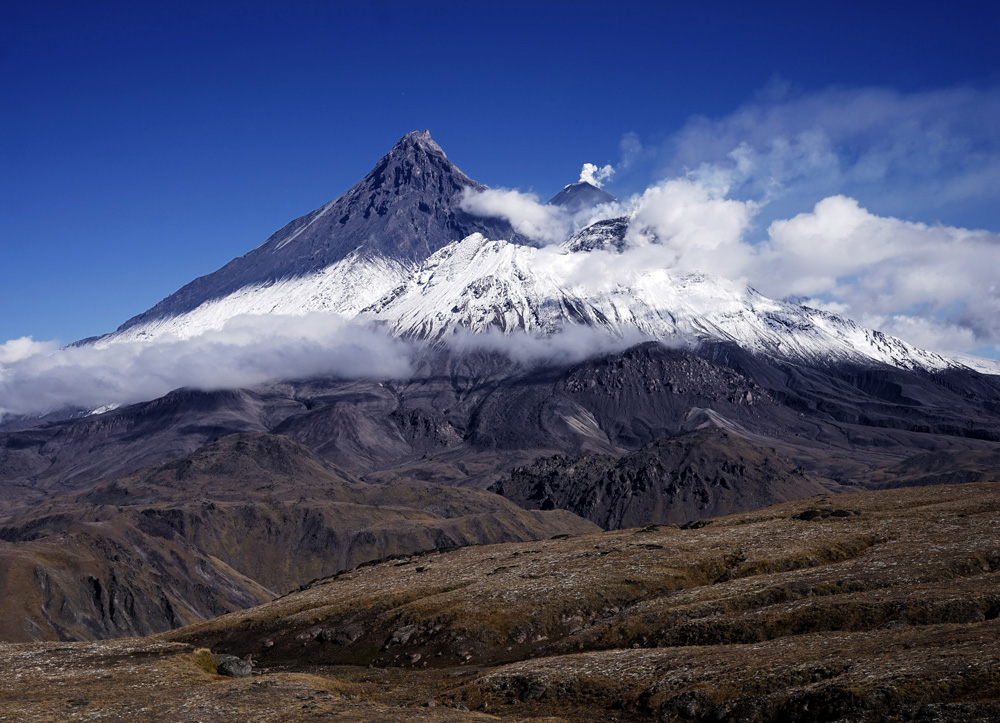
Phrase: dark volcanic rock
(698,474)
(233,667)
(470,418)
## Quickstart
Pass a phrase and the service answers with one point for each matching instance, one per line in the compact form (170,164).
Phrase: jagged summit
(404,210)
(580,196)
(418,140)
(416,162)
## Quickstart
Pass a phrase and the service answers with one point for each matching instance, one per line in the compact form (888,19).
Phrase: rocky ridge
(702,473)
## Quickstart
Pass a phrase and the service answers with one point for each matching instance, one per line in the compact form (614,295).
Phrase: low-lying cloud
(529,216)
(568,345)
(696,225)
(932,285)
(524,211)
(37,377)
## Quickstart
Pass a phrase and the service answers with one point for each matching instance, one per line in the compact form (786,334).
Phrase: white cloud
(17,349)
(529,216)
(594,175)
(248,350)
(568,345)
(923,332)
(928,155)
(932,155)
(538,221)
(932,285)
(698,228)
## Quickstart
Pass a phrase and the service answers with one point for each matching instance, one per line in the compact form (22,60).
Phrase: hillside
(236,523)
(859,607)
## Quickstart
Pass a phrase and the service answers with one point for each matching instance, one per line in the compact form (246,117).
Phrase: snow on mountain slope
(405,209)
(345,287)
(388,251)
(479,284)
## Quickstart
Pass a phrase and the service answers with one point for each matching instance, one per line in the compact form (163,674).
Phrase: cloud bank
(568,345)
(36,377)
(839,198)
(931,155)
(524,211)
(935,286)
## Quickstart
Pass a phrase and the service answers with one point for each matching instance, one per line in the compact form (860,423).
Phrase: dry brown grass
(864,607)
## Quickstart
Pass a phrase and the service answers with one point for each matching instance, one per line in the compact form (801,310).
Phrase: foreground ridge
(857,607)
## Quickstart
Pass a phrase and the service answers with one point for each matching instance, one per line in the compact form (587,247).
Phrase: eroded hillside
(859,607)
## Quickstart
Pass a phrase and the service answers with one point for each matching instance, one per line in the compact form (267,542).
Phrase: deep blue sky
(142,146)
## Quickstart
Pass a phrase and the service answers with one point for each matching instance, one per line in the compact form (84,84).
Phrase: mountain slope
(869,607)
(581,196)
(479,284)
(467,418)
(231,525)
(698,474)
(406,208)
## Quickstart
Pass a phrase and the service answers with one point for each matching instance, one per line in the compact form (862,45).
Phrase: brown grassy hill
(876,606)
(232,525)
(847,603)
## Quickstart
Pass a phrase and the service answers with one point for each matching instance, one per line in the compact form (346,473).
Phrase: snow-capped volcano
(398,251)
(404,210)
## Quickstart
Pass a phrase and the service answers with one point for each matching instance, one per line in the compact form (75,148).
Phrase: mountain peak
(415,164)
(418,140)
(580,196)
(404,210)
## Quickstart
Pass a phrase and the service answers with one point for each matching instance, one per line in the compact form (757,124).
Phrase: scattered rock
(233,667)
(695,524)
(402,635)
(340,636)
